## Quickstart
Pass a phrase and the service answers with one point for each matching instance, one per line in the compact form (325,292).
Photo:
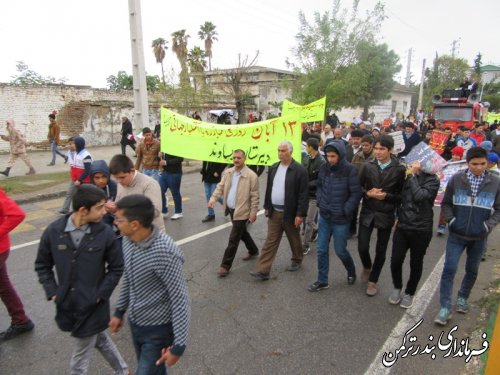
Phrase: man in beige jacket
(17,148)
(240,188)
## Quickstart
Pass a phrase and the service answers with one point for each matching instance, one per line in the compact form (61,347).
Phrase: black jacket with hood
(338,189)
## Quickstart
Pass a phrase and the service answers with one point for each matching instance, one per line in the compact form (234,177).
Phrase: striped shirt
(154,289)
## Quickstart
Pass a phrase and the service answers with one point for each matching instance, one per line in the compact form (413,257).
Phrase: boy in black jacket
(471,206)
(413,232)
(99,175)
(381,181)
(89,264)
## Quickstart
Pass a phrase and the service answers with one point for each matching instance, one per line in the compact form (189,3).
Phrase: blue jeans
(154,173)
(148,342)
(209,190)
(454,249)
(55,151)
(171,181)
(340,233)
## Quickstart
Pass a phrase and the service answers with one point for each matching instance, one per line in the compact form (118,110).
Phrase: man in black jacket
(312,162)
(413,232)
(127,133)
(381,181)
(211,174)
(285,206)
(89,264)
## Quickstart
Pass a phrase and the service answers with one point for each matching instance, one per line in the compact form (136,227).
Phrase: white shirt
(278,192)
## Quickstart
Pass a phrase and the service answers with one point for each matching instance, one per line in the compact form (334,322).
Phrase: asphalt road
(242,326)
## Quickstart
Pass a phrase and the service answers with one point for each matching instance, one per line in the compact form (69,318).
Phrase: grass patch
(17,185)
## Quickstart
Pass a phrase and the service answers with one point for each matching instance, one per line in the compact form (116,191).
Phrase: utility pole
(408,71)
(141,109)
(421,91)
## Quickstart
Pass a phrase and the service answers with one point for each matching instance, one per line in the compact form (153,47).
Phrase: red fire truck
(453,109)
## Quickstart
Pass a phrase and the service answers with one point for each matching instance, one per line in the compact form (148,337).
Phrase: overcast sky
(86,41)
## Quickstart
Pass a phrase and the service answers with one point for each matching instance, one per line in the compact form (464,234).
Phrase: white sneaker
(176,216)
(165,215)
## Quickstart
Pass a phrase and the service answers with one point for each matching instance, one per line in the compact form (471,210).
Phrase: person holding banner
(285,206)
(413,232)
(211,174)
(240,188)
(381,180)
(471,205)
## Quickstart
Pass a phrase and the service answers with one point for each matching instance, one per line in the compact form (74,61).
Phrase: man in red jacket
(10,217)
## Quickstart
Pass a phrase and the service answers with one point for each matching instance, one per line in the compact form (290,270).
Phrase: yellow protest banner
(311,112)
(493,116)
(193,139)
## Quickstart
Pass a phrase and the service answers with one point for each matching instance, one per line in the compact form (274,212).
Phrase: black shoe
(62,212)
(16,330)
(305,249)
(260,275)
(317,286)
(351,279)
(314,235)
(208,218)
(51,164)
(65,160)
(293,267)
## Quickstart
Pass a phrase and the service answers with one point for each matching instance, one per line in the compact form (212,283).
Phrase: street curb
(490,330)
(62,193)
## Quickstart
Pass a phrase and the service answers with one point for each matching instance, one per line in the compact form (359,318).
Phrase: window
(405,105)
(394,103)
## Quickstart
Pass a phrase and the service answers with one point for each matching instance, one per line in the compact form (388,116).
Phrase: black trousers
(238,233)
(124,145)
(383,235)
(402,241)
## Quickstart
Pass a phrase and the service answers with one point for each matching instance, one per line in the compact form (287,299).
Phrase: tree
(369,80)
(124,81)
(208,34)
(491,94)
(197,64)
(477,67)
(179,47)
(27,76)
(159,47)
(447,73)
(326,47)
(234,86)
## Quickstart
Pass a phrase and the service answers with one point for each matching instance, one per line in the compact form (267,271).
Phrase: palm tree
(159,47)
(179,47)
(208,34)
(197,63)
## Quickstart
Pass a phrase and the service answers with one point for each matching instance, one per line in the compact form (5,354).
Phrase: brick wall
(94,114)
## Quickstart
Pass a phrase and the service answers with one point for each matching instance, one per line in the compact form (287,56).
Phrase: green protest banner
(493,116)
(193,139)
(311,112)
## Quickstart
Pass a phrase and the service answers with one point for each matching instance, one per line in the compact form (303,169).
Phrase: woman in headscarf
(17,148)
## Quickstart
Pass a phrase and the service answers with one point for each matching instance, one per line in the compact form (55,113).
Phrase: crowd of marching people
(349,182)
